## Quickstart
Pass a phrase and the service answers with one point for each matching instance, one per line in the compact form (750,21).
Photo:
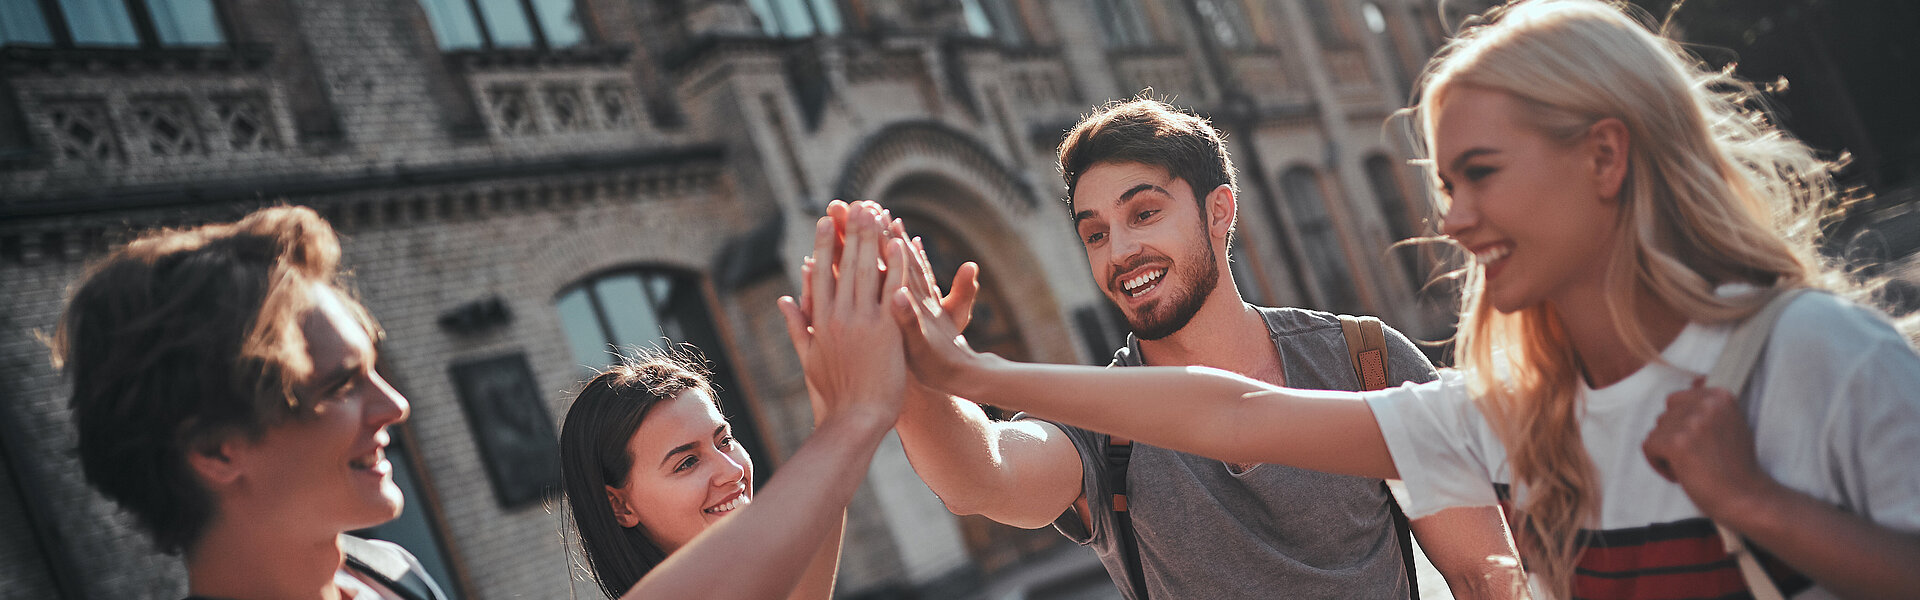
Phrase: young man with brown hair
(1152,195)
(224,393)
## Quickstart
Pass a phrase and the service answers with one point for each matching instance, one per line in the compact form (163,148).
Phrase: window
(110,23)
(497,24)
(998,20)
(1393,206)
(651,309)
(1124,23)
(1227,21)
(1301,187)
(1333,29)
(797,18)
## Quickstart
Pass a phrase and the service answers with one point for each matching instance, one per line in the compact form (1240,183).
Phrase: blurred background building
(523,184)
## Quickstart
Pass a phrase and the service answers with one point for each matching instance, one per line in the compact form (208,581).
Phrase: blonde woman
(1624,212)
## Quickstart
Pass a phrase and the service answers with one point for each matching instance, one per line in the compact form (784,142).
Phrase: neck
(244,563)
(1605,356)
(1226,333)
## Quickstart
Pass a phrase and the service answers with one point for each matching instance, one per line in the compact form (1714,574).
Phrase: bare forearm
(1840,551)
(948,442)
(1470,546)
(798,511)
(817,582)
(1204,411)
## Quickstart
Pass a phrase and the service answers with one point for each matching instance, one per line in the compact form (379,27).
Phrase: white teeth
(1132,284)
(368,461)
(736,502)
(1492,254)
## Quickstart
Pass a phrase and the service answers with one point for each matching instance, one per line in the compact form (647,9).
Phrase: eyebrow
(1124,198)
(1460,160)
(688,446)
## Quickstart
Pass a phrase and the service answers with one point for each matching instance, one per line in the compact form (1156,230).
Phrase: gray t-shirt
(1270,532)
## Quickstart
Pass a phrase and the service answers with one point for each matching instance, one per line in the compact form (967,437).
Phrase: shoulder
(1321,329)
(1289,321)
(1830,324)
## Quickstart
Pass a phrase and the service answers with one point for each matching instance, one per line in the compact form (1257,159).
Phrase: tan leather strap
(1367,348)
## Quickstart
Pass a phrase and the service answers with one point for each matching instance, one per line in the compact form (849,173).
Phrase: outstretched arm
(851,354)
(1199,410)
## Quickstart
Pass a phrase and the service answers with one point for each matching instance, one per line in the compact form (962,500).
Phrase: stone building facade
(522,182)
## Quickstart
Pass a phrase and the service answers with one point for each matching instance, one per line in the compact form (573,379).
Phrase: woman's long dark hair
(593,455)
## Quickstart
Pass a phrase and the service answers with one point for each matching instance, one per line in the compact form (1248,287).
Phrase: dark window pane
(1321,241)
(1393,206)
(186,22)
(630,313)
(560,21)
(1227,21)
(453,23)
(1123,23)
(507,22)
(584,335)
(99,22)
(22,23)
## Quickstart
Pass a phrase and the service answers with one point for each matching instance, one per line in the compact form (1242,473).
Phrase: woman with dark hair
(662,496)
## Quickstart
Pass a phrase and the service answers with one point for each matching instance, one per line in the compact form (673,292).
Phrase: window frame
(60,30)
(535,26)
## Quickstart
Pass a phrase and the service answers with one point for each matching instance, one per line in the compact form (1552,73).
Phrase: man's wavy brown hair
(186,337)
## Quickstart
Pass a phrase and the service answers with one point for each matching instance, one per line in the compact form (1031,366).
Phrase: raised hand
(851,353)
(937,354)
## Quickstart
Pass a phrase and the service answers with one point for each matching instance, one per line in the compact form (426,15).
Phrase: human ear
(213,461)
(1221,206)
(1608,143)
(622,510)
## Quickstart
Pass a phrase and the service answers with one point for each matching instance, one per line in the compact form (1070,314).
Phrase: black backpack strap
(1367,349)
(1119,453)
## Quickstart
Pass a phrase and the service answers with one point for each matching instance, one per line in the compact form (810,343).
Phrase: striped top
(1833,410)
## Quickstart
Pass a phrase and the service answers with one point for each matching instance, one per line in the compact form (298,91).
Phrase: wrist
(869,419)
(1750,507)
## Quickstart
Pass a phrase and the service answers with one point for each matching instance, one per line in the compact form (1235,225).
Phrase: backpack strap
(1367,349)
(1119,454)
(1731,373)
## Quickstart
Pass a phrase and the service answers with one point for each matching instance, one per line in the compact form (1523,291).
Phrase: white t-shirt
(1835,406)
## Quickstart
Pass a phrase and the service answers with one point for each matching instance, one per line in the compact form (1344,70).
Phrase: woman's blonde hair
(1714,193)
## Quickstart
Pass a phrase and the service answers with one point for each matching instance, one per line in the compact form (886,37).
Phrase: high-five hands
(851,354)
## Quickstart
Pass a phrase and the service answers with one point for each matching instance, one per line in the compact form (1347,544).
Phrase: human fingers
(896,258)
(867,280)
(927,286)
(857,257)
(822,273)
(796,325)
(958,303)
(806,290)
(1655,450)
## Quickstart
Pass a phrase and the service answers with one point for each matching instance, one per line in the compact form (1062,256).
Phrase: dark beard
(1185,303)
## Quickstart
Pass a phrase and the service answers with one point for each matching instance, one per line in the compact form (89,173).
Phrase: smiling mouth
(1133,288)
(738,500)
(370,461)
(1490,255)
